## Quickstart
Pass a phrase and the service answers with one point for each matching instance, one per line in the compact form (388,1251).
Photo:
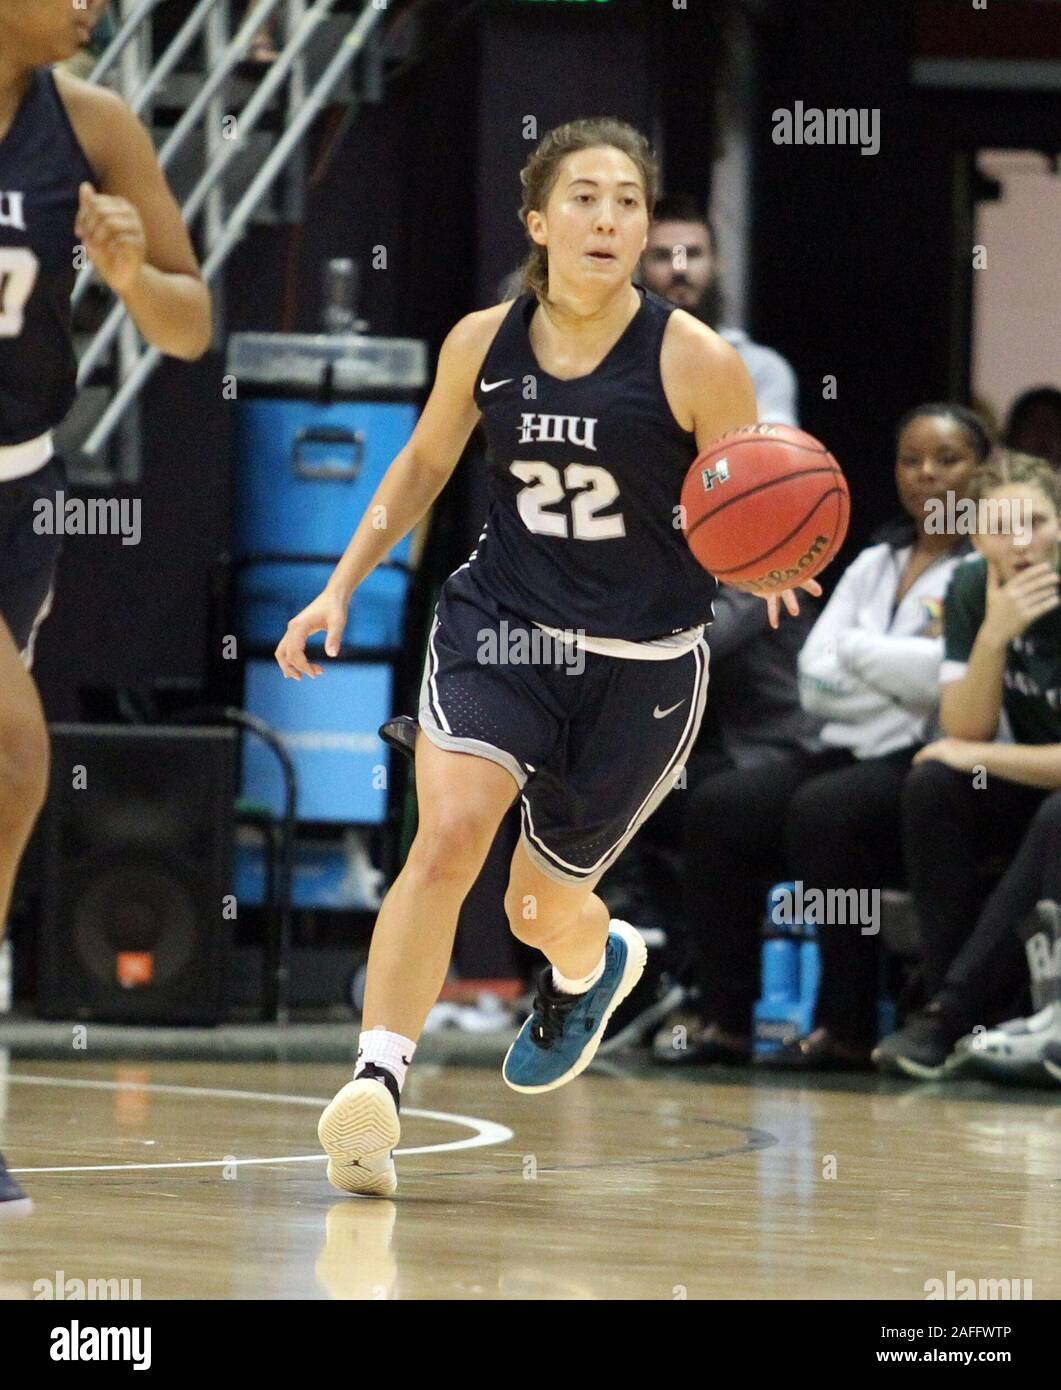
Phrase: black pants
(958,838)
(990,969)
(844,830)
(829,820)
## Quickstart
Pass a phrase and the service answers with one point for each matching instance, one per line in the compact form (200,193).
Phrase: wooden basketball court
(203,1179)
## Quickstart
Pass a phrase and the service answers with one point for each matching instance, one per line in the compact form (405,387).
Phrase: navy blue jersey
(585,482)
(41,166)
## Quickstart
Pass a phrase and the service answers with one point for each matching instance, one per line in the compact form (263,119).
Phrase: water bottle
(340,287)
(780,955)
(780,970)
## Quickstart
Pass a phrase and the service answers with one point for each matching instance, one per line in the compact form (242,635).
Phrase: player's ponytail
(539,175)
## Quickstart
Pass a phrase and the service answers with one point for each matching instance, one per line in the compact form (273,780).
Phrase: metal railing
(221,230)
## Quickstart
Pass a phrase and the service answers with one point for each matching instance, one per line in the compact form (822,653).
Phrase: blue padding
(329,726)
(271,594)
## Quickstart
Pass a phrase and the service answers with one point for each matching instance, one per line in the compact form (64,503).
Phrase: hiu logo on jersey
(13,211)
(558,429)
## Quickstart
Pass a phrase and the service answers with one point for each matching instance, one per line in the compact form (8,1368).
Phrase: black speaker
(137,865)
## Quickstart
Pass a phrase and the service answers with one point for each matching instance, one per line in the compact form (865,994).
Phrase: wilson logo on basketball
(774,578)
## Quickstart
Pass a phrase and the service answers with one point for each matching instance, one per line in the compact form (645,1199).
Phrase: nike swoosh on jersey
(658,713)
(494,384)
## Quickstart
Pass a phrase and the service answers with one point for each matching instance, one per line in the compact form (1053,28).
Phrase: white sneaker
(359,1130)
(487,1014)
(443,1018)
(1013,1051)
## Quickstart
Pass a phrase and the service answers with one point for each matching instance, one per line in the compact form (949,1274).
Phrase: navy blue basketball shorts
(595,742)
(28,559)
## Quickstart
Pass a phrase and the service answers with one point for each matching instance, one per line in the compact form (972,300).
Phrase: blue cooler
(319,420)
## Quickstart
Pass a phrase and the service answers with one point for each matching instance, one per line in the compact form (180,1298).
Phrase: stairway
(241,161)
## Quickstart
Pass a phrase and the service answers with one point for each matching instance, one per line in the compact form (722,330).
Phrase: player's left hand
(112,233)
(788,598)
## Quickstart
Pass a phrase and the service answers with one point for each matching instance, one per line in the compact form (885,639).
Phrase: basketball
(765,507)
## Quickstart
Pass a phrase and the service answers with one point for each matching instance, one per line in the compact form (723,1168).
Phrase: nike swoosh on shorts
(658,713)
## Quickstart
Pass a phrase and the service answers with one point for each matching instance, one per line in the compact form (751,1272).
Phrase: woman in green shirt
(992,787)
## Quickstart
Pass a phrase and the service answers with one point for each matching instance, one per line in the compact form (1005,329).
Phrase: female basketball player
(75,165)
(596,397)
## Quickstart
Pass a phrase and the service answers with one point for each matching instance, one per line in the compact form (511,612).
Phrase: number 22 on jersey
(594,489)
(18,275)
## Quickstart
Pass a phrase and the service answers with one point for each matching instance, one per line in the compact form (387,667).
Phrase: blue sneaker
(562,1035)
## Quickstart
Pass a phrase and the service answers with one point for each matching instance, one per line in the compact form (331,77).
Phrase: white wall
(1017,296)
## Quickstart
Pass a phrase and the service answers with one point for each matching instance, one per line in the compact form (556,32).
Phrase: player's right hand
(1014,606)
(327,613)
(788,598)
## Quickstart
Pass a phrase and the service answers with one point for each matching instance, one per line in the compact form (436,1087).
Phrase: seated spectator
(1034,424)
(992,787)
(870,669)
(681,263)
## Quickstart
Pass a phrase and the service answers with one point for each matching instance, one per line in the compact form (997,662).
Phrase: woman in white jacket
(870,669)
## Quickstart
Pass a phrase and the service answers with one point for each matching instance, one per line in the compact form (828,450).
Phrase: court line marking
(756,1140)
(487,1132)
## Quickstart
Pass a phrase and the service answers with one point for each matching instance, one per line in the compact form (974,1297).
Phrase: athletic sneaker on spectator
(1015,1050)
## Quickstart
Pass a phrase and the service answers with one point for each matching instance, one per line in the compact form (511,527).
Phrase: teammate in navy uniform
(76,167)
(596,397)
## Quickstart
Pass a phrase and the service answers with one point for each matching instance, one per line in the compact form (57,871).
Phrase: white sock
(385,1049)
(566,986)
